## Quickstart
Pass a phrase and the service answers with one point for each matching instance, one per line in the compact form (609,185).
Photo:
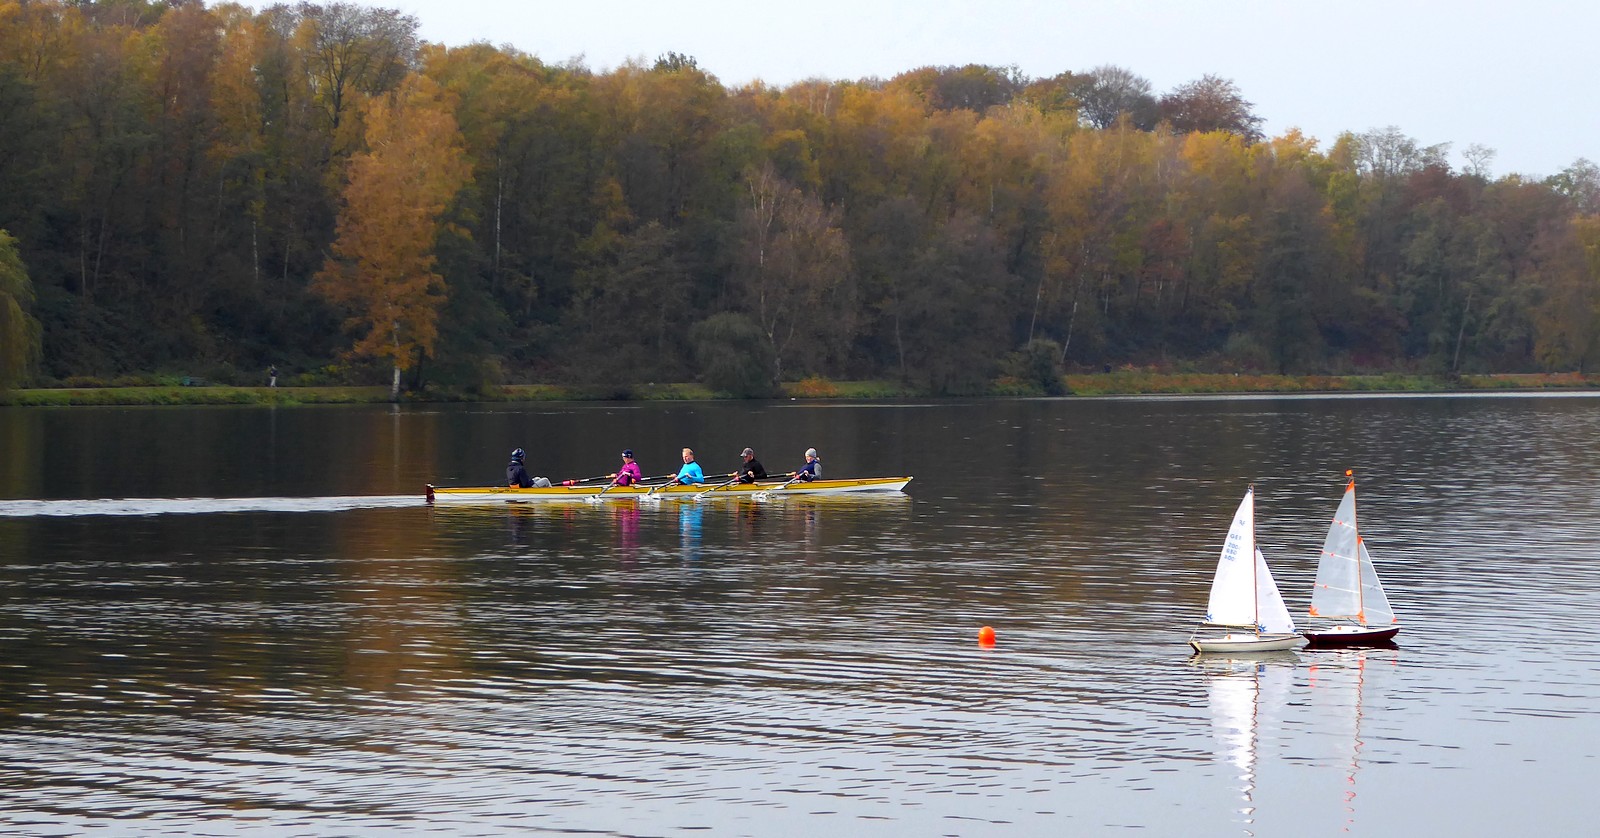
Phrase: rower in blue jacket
(690,473)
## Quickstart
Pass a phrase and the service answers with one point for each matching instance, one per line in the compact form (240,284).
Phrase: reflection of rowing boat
(498,494)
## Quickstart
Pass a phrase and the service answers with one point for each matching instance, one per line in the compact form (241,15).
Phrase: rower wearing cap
(811,470)
(752,470)
(629,474)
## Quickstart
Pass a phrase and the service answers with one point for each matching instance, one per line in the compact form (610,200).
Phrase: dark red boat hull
(1367,637)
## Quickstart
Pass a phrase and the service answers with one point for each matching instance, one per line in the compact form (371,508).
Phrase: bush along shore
(1116,383)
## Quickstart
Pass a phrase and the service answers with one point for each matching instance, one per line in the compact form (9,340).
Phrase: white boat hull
(1247,642)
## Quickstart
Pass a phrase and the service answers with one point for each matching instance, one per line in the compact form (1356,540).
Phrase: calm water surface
(245,622)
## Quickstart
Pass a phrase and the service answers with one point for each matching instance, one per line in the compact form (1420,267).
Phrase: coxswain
(517,473)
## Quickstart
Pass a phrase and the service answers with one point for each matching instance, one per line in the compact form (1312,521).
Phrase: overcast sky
(1517,76)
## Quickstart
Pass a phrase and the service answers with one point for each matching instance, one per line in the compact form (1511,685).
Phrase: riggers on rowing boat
(499,494)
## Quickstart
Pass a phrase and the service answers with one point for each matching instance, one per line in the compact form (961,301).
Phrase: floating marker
(986,636)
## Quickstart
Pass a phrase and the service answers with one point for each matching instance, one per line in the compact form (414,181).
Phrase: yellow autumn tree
(382,270)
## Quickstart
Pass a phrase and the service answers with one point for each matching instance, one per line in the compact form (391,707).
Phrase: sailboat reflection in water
(1336,683)
(1244,694)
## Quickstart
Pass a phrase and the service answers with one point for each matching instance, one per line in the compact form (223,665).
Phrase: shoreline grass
(1116,383)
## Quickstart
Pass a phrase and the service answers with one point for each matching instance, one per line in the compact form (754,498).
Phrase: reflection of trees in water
(522,519)
(391,578)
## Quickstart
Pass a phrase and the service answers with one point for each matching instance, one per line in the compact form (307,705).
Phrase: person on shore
(629,474)
(752,470)
(812,470)
(690,473)
(272,376)
(517,473)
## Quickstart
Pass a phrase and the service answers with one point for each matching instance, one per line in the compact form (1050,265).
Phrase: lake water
(244,621)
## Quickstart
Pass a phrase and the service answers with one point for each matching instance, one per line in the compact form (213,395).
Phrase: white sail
(1271,611)
(1347,585)
(1233,598)
(1375,610)
(1337,591)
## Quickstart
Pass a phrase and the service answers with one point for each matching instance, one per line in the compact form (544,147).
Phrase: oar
(651,495)
(766,494)
(734,480)
(595,498)
(582,480)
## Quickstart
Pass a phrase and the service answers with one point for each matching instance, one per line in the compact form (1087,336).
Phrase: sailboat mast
(1361,583)
(1255,582)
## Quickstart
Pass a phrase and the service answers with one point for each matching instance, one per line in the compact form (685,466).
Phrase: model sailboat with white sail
(1347,590)
(1245,612)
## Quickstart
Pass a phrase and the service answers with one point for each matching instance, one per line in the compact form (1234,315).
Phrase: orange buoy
(986,636)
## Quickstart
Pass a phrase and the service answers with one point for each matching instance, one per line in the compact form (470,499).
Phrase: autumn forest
(213,189)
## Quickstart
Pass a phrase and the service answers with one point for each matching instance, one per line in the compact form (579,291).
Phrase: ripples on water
(194,506)
(809,665)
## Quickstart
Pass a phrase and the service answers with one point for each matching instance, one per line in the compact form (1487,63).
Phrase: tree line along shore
(1116,383)
(218,189)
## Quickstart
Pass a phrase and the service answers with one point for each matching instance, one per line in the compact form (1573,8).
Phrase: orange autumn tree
(382,270)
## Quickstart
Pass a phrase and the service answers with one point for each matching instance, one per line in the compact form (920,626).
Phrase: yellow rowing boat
(497,494)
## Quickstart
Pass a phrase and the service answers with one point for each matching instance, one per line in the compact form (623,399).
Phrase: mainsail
(1233,598)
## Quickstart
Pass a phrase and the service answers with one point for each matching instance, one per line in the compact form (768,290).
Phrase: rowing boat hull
(497,494)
